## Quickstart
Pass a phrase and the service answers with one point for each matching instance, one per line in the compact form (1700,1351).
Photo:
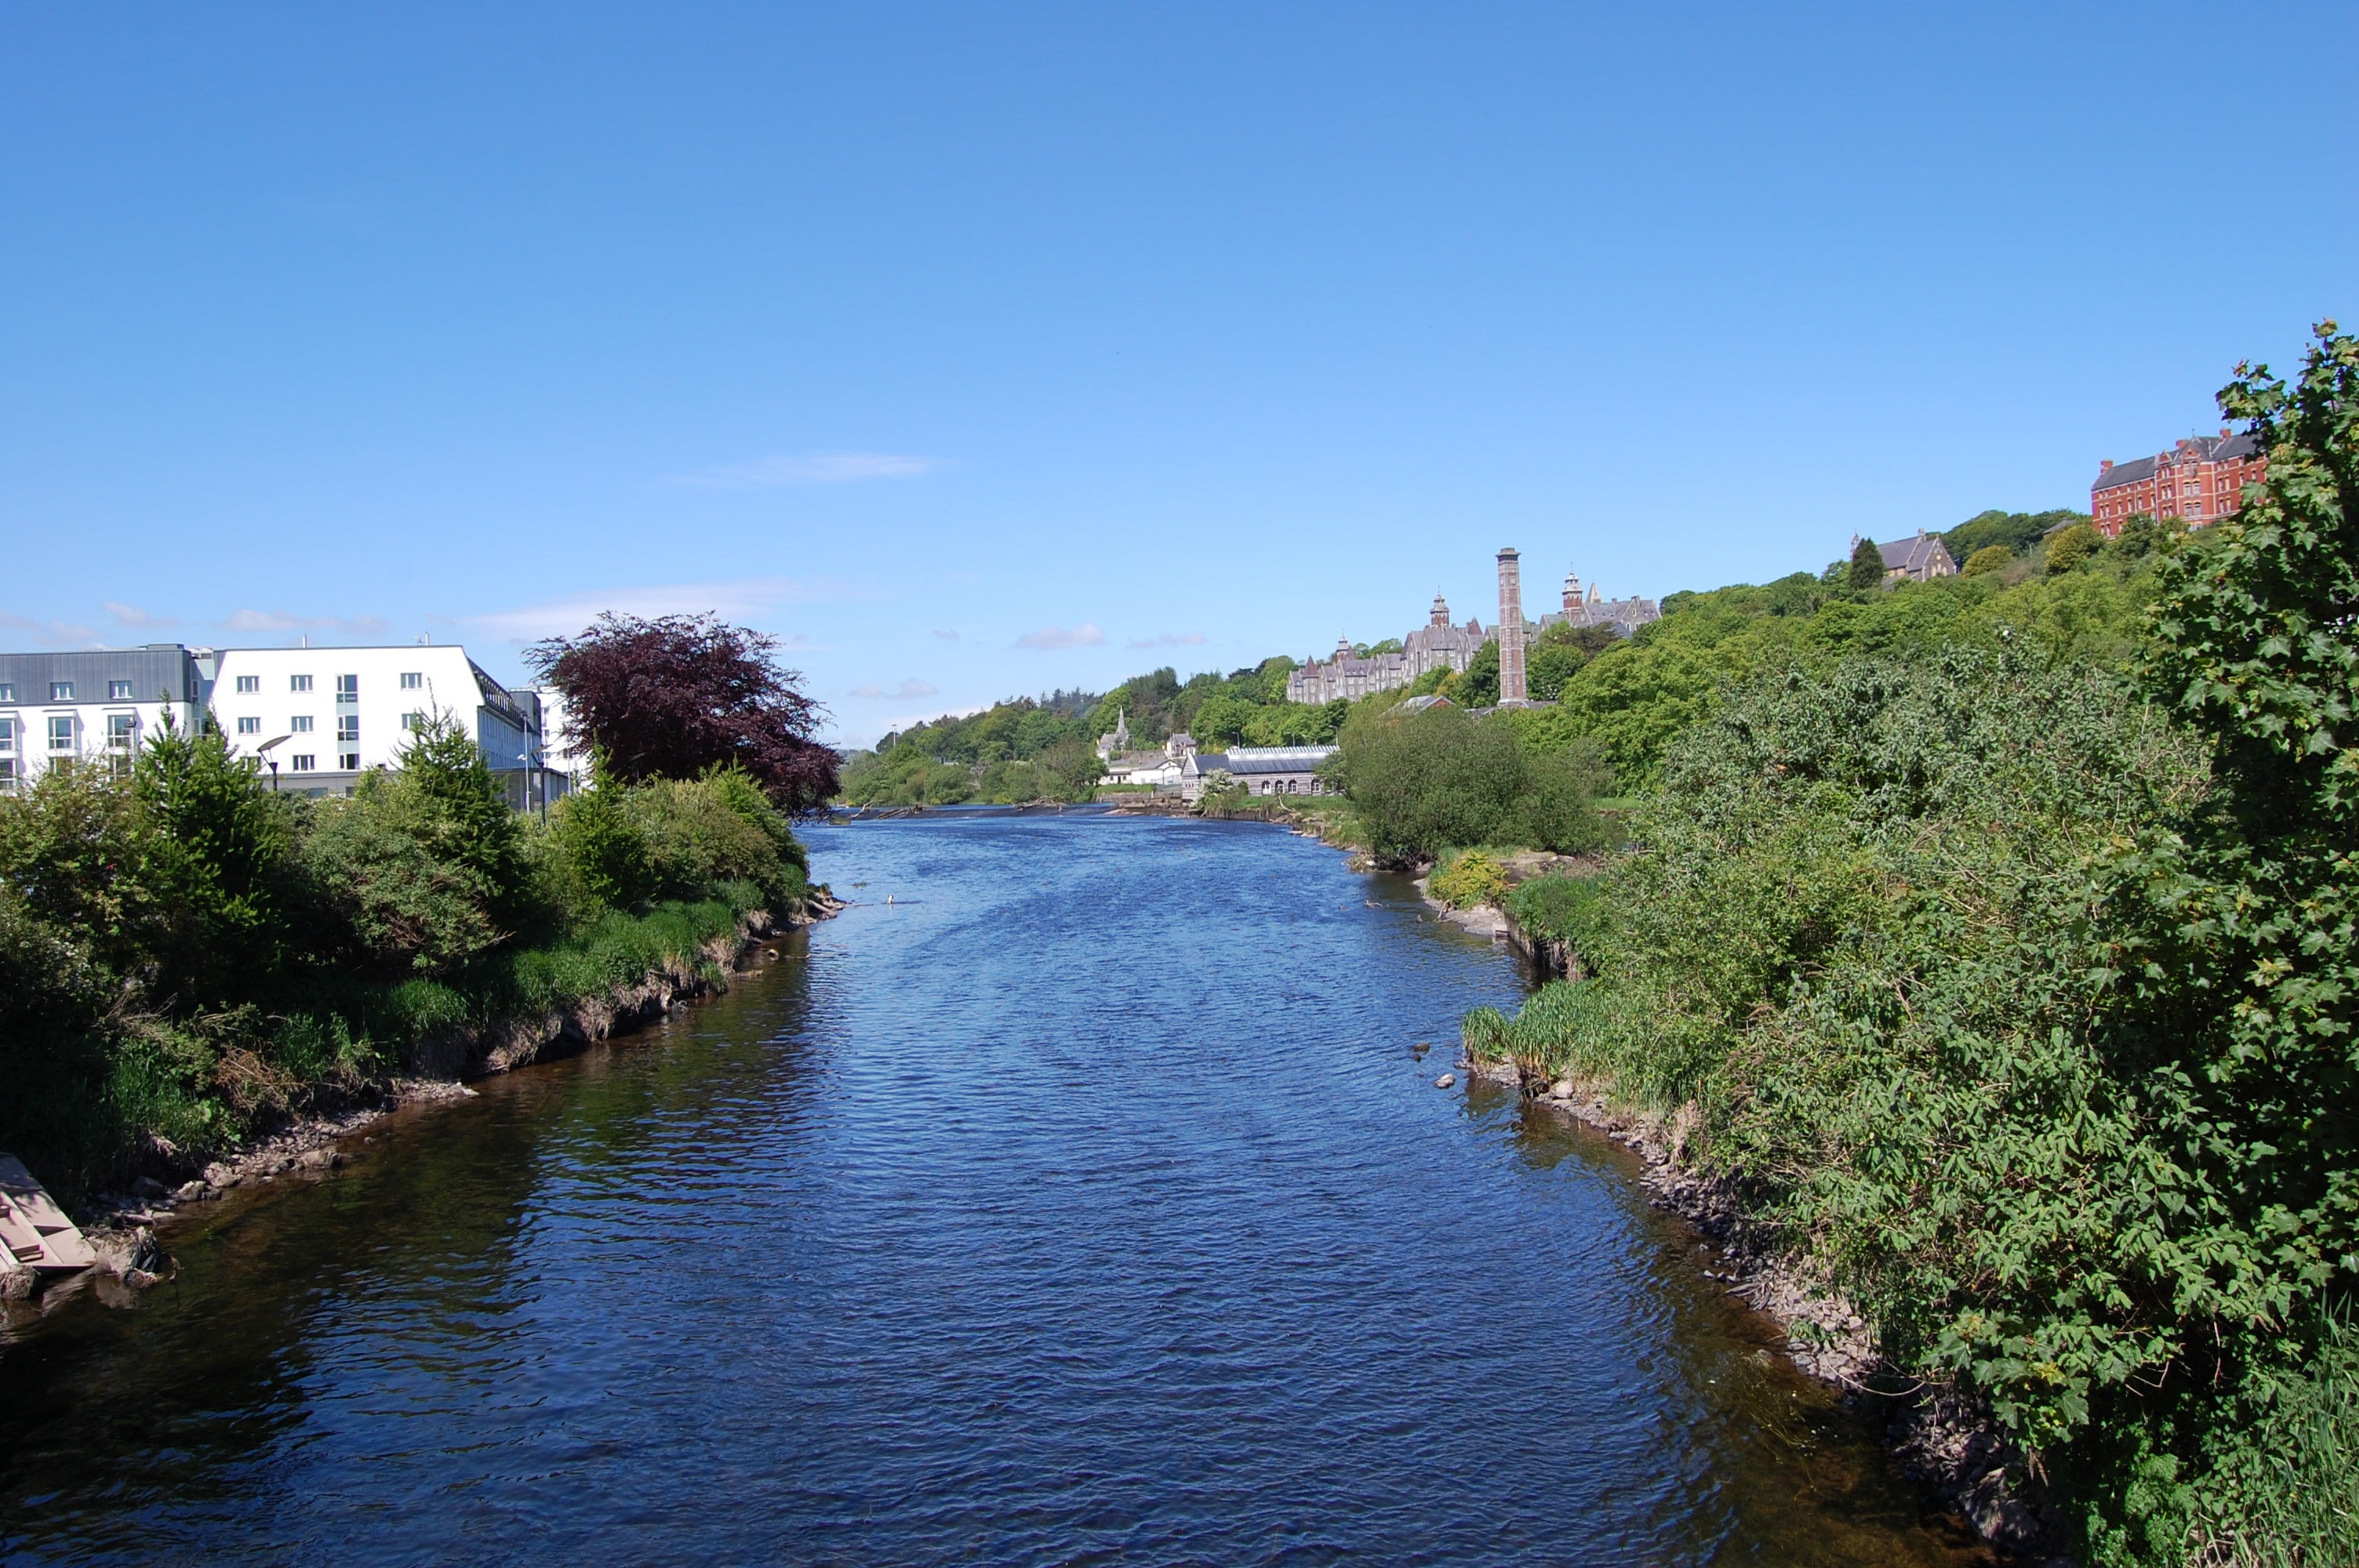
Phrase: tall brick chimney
(1511,628)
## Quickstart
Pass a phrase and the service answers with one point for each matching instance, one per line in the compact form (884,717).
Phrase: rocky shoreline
(1948,1443)
(121,1226)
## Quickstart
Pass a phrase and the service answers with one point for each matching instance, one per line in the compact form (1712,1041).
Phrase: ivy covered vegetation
(186,956)
(1999,936)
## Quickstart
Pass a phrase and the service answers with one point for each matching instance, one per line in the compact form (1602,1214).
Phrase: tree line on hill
(188,956)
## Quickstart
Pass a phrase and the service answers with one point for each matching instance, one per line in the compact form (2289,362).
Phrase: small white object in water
(1445,1081)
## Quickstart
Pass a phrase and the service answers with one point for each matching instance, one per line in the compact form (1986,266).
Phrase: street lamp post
(264,752)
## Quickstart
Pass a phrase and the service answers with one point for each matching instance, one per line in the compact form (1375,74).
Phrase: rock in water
(149,1261)
(1445,1081)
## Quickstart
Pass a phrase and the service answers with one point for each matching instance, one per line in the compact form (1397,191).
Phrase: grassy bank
(187,960)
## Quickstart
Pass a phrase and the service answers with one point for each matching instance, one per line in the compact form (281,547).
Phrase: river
(1085,1203)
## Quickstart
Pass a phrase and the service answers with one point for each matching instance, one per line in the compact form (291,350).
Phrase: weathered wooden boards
(35,1231)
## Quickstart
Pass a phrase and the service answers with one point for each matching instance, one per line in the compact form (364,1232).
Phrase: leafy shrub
(2072,546)
(1561,909)
(1989,558)
(1465,881)
(1558,810)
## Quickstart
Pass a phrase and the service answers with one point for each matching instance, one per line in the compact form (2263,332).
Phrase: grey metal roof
(167,670)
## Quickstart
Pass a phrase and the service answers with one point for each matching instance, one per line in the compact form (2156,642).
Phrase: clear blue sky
(983,349)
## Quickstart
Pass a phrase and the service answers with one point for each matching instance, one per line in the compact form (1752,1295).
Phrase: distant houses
(1920,559)
(314,719)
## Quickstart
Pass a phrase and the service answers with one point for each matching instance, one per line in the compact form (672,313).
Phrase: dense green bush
(184,953)
(1424,782)
(1464,880)
(2024,996)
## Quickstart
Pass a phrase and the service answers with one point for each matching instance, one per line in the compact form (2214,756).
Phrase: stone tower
(1511,629)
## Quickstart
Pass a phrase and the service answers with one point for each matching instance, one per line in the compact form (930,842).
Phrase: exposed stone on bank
(1944,1440)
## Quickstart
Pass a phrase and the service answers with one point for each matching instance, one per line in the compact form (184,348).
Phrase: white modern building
(317,719)
(560,755)
(98,705)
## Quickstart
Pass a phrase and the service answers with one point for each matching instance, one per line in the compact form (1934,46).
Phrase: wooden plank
(32,1226)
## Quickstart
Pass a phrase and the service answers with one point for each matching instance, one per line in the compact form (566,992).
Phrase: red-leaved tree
(673,696)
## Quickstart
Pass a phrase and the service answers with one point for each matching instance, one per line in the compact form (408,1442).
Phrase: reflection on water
(1085,1204)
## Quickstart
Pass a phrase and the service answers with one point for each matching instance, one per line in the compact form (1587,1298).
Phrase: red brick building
(2201,480)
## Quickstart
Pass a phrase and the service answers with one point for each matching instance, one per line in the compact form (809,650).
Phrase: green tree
(1989,558)
(1867,569)
(2241,987)
(1423,781)
(427,864)
(225,847)
(2072,546)
(1477,684)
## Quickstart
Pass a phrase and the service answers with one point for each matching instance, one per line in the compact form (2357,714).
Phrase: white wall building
(100,705)
(325,715)
(559,755)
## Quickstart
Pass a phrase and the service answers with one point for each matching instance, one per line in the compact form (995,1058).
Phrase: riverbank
(1948,1445)
(433,1068)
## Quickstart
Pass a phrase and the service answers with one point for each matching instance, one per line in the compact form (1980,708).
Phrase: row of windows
(348,688)
(63,691)
(348,725)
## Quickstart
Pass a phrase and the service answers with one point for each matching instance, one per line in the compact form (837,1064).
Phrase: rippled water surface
(1084,1204)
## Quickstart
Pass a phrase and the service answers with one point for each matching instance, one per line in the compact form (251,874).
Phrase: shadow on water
(1082,1204)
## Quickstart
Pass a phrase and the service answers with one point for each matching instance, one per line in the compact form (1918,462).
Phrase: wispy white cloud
(946,636)
(906,691)
(1085,635)
(54,633)
(734,600)
(808,468)
(131,615)
(1171,640)
(279,620)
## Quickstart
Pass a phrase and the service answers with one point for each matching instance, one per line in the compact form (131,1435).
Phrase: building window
(348,729)
(412,680)
(118,691)
(349,761)
(8,773)
(61,733)
(61,691)
(299,683)
(348,688)
(249,683)
(249,726)
(300,724)
(413,721)
(8,692)
(302,763)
